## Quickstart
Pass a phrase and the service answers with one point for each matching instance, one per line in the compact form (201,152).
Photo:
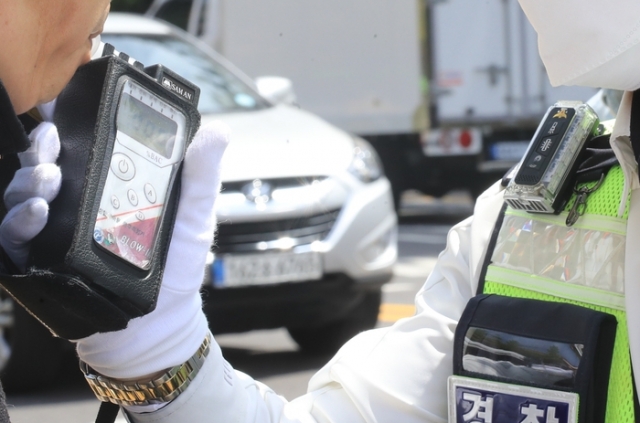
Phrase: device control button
(536,162)
(554,127)
(557,121)
(123,167)
(139,215)
(115,202)
(133,197)
(150,193)
(547,145)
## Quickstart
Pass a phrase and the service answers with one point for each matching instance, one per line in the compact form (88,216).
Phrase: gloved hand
(28,195)
(170,334)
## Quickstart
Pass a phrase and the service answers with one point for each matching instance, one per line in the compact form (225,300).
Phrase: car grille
(275,183)
(260,236)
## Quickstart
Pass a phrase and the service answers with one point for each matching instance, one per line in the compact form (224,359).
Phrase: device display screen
(149,145)
(146,125)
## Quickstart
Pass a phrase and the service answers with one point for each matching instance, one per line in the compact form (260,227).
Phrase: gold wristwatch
(157,391)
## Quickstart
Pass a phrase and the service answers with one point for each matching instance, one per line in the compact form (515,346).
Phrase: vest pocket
(548,346)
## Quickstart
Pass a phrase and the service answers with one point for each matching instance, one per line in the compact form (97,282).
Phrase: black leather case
(73,286)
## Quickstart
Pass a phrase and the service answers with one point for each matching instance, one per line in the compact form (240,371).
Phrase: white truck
(449,92)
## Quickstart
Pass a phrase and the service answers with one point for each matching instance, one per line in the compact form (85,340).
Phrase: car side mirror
(276,89)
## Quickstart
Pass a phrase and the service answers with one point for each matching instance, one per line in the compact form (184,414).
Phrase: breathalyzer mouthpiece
(96,47)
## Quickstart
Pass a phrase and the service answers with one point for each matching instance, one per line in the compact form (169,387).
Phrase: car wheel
(30,356)
(330,337)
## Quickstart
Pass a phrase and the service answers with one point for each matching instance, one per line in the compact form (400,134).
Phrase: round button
(115,202)
(133,197)
(150,193)
(139,215)
(122,166)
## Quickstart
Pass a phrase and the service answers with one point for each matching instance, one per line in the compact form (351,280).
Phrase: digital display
(520,358)
(146,125)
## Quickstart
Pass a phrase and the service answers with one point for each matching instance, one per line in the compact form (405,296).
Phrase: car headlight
(365,164)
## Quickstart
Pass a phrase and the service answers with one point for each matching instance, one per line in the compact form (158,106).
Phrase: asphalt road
(271,356)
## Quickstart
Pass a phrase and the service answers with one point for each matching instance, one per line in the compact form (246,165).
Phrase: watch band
(157,391)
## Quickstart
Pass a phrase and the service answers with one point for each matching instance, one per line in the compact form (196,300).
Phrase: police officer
(401,373)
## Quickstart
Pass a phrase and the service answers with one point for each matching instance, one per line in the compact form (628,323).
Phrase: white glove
(170,334)
(28,195)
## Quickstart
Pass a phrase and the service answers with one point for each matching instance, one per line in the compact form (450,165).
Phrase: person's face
(53,39)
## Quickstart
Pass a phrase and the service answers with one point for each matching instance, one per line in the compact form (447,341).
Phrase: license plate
(452,142)
(267,268)
(480,401)
(508,150)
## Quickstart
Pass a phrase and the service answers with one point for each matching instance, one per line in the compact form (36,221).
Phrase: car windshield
(220,90)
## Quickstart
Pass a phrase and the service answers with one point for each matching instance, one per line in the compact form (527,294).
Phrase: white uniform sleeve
(398,373)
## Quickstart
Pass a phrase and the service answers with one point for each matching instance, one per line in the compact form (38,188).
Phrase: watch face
(149,145)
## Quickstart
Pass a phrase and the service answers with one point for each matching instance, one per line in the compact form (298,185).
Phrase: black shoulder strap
(634,131)
(107,413)
(635,125)
(596,160)
(490,248)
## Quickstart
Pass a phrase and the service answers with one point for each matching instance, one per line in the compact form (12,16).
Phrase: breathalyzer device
(124,129)
(544,177)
